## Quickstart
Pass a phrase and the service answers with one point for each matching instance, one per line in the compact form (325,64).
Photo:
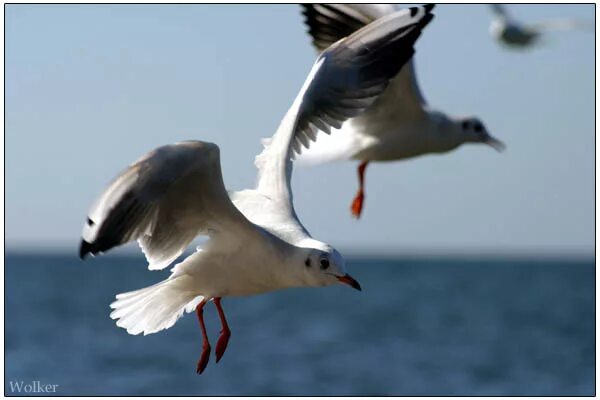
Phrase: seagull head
(474,131)
(323,265)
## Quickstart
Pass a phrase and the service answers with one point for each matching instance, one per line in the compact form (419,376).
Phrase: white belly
(404,142)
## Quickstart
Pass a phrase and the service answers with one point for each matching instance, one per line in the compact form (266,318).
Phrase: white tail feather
(155,307)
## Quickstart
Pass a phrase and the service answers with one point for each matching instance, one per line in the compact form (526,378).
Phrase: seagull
(507,31)
(256,243)
(400,124)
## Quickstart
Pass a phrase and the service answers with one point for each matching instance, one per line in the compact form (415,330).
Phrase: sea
(439,326)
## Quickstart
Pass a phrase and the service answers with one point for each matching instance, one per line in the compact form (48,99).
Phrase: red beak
(350,281)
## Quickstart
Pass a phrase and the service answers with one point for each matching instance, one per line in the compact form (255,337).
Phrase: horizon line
(398,252)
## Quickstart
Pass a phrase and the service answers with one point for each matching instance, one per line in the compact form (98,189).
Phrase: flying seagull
(399,124)
(256,242)
(506,30)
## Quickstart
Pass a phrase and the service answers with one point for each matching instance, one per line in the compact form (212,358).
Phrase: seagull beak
(498,145)
(350,281)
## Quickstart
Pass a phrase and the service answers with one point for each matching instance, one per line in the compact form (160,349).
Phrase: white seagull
(506,30)
(400,124)
(256,242)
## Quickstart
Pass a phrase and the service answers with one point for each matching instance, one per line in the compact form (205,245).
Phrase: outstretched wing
(164,201)
(328,23)
(500,11)
(562,24)
(345,80)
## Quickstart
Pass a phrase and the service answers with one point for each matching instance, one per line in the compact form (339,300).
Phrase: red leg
(225,332)
(357,203)
(203,361)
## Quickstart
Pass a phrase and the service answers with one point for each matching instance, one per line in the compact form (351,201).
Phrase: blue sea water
(420,327)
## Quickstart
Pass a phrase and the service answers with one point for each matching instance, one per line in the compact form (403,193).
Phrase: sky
(91,88)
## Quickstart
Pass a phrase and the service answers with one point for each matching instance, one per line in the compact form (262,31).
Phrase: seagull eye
(307,262)
(465,125)
(324,263)
(478,127)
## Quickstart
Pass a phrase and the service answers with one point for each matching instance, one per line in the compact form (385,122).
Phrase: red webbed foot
(357,204)
(203,361)
(225,332)
(222,344)
(359,199)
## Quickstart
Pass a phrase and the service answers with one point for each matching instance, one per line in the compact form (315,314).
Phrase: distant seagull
(256,242)
(400,124)
(506,30)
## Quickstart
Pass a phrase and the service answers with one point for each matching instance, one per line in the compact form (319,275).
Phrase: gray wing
(345,80)
(328,23)
(562,24)
(500,11)
(164,201)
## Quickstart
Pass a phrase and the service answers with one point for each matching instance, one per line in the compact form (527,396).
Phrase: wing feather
(327,23)
(164,201)
(500,11)
(562,24)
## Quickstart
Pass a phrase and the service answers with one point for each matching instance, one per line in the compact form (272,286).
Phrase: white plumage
(256,242)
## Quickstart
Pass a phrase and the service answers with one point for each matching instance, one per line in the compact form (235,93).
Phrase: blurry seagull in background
(400,124)
(256,242)
(507,31)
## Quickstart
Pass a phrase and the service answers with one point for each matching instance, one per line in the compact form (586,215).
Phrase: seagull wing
(328,23)
(164,201)
(345,80)
(402,100)
(562,24)
(500,11)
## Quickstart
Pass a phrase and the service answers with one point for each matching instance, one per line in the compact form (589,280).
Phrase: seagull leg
(203,361)
(225,332)
(357,203)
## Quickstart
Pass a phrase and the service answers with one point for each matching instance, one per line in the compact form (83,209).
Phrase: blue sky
(90,88)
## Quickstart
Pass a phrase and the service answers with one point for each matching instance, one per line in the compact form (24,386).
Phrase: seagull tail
(155,307)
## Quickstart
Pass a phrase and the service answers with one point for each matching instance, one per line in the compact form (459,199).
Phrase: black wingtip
(429,7)
(84,249)
(427,19)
